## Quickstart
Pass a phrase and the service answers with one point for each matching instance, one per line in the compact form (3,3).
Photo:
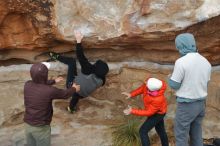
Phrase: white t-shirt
(193,71)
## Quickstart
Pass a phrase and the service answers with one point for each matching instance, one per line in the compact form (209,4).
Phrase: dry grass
(127,133)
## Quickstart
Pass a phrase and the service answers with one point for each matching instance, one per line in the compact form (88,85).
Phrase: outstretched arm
(85,64)
(64,93)
(151,110)
(138,91)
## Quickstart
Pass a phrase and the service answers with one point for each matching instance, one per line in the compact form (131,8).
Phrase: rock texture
(115,30)
(30,27)
(99,111)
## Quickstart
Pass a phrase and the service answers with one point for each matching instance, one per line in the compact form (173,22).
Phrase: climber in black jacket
(91,77)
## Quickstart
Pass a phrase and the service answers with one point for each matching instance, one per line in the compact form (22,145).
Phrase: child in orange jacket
(155,109)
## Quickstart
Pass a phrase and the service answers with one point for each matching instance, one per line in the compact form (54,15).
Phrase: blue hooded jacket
(185,43)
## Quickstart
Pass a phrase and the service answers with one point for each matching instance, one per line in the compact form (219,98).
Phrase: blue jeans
(188,123)
(156,121)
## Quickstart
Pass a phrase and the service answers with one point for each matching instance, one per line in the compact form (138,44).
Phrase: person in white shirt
(190,79)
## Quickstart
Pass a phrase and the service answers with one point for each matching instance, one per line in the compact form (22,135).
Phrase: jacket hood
(39,73)
(101,68)
(185,43)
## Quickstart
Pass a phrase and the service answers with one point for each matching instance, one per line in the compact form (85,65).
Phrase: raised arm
(138,91)
(57,80)
(85,64)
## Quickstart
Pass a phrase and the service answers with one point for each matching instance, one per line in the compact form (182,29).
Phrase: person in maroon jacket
(38,96)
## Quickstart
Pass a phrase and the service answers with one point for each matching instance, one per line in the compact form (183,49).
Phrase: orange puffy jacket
(153,104)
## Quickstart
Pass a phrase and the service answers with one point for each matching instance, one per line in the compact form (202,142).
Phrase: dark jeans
(156,121)
(86,68)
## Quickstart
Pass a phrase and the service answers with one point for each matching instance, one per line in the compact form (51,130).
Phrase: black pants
(86,68)
(156,121)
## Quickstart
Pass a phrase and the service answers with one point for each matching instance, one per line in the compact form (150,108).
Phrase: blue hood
(185,43)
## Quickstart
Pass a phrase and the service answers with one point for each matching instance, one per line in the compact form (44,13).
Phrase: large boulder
(99,112)
(135,46)
(30,27)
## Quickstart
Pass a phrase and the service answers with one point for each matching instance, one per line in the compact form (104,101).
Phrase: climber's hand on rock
(78,36)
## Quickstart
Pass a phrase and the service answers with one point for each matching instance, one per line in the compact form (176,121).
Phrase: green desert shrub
(127,132)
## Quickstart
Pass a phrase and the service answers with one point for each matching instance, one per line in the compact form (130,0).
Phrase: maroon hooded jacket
(38,96)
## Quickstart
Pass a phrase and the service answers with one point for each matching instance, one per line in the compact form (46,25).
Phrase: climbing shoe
(53,55)
(71,110)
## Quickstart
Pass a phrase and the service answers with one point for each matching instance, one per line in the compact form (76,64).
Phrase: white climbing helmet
(154,84)
(47,64)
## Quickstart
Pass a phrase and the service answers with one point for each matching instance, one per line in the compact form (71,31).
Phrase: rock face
(92,124)
(30,27)
(135,46)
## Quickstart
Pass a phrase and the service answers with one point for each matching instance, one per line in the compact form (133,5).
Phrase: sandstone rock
(111,28)
(135,46)
(98,112)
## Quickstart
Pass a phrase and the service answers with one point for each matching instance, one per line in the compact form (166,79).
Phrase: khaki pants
(38,135)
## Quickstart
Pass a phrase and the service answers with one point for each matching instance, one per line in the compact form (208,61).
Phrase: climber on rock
(91,77)
(155,109)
